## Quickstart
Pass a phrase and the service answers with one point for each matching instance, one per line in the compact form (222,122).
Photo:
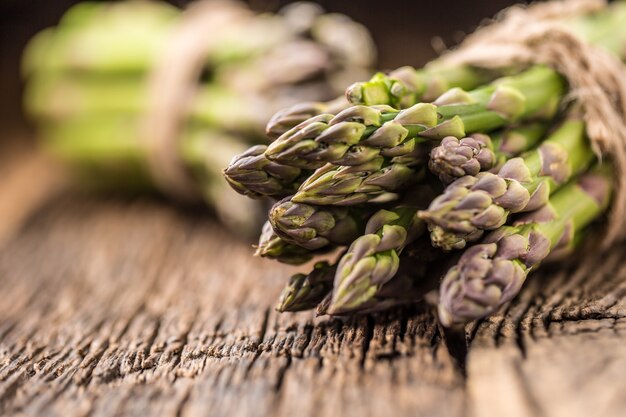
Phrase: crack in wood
(367,330)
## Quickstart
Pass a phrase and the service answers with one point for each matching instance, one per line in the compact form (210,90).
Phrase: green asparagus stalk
(455,158)
(59,98)
(314,227)
(490,274)
(342,140)
(473,204)
(306,291)
(121,38)
(406,86)
(106,152)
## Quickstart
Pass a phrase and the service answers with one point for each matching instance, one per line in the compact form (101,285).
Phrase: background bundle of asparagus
(471,175)
(88,86)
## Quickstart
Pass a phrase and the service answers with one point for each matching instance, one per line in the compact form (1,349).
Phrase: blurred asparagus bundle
(424,163)
(89,85)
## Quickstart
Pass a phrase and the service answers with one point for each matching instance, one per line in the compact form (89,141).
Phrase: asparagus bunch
(459,173)
(473,204)
(490,274)
(88,88)
(371,151)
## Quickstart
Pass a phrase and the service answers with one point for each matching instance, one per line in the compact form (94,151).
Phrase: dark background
(403,31)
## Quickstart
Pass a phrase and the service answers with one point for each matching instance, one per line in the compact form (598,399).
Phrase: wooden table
(133,307)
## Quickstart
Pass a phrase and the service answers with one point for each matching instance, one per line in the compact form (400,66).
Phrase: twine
(172,85)
(597,80)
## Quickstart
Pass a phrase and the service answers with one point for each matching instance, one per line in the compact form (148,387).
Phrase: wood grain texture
(113,307)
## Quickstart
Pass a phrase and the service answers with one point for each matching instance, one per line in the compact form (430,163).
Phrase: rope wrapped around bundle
(173,81)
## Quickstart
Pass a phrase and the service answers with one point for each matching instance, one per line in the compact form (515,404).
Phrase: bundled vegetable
(490,274)
(92,83)
(425,163)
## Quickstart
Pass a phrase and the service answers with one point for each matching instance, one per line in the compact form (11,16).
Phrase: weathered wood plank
(134,308)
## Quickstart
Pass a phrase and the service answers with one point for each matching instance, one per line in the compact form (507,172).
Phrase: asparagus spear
(107,38)
(455,158)
(373,305)
(377,181)
(271,246)
(313,227)
(400,86)
(61,98)
(361,133)
(420,268)
(407,86)
(373,259)
(290,117)
(253,175)
(473,204)
(490,274)
(305,291)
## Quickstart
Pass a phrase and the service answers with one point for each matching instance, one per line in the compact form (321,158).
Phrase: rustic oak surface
(113,307)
